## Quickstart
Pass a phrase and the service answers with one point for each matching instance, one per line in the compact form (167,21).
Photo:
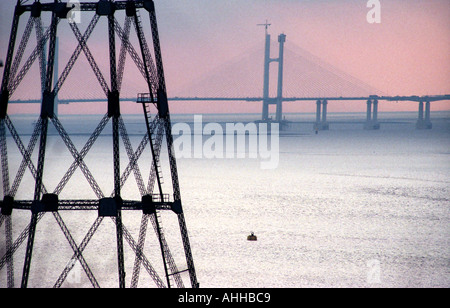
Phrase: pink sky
(408,53)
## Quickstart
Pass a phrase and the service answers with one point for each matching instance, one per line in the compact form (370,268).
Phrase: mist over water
(344,208)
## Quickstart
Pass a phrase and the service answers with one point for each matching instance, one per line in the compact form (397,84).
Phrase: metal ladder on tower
(146,99)
(156,146)
(155,143)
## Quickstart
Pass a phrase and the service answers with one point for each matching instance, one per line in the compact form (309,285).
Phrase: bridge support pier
(372,115)
(265,109)
(281,41)
(278,101)
(424,122)
(321,115)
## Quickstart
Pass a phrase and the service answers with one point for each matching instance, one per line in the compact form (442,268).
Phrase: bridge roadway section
(423,118)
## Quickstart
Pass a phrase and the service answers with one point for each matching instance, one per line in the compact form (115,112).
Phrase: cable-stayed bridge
(301,77)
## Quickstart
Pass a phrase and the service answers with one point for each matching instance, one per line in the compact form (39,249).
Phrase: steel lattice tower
(158,125)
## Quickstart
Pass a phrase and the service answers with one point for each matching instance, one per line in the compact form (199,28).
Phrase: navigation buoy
(252,237)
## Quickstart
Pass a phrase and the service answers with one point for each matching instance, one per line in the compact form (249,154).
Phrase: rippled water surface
(344,208)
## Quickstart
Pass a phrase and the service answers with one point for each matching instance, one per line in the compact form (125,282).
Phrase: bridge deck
(413,98)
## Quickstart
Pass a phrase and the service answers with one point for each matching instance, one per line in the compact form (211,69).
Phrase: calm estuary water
(344,208)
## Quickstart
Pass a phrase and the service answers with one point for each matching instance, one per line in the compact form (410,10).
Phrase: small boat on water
(252,237)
